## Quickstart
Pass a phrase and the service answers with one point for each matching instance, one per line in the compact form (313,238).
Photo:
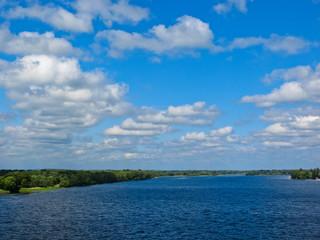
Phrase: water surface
(227,207)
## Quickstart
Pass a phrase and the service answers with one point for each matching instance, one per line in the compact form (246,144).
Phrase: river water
(226,207)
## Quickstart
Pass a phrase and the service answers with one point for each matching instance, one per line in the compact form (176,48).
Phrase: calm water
(168,208)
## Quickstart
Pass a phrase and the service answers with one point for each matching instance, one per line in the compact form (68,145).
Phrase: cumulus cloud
(55,97)
(299,120)
(22,135)
(188,34)
(228,5)
(129,127)
(109,12)
(215,135)
(292,130)
(86,11)
(301,84)
(299,72)
(154,122)
(221,132)
(288,92)
(57,17)
(197,109)
(26,43)
(118,131)
(196,114)
(286,44)
(216,143)
(194,136)
(298,128)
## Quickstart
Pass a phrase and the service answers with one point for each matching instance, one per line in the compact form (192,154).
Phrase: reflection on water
(238,207)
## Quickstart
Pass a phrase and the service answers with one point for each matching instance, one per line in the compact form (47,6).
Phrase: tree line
(268,172)
(13,181)
(306,174)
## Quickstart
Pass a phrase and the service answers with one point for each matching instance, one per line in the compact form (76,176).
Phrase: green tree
(25,183)
(10,184)
(65,183)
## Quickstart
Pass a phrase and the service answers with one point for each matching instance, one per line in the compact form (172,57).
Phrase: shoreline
(31,190)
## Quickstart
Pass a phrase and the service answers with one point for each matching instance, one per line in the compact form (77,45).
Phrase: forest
(13,181)
(268,172)
(306,174)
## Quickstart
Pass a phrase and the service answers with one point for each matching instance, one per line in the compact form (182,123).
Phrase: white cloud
(221,132)
(299,72)
(191,34)
(197,109)
(278,128)
(208,146)
(118,131)
(81,21)
(213,138)
(130,124)
(196,114)
(242,43)
(139,156)
(54,96)
(34,43)
(131,128)
(287,44)
(22,135)
(296,125)
(297,128)
(277,144)
(154,122)
(302,84)
(57,17)
(287,115)
(288,92)
(188,34)
(228,5)
(306,122)
(194,136)
(109,12)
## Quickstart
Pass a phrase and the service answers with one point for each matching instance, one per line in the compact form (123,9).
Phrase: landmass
(27,181)
(306,174)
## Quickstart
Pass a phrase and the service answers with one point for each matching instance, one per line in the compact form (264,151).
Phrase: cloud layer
(187,34)
(59,107)
(190,34)
(55,96)
(300,84)
(154,122)
(86,12)
(286,44)
(26,43)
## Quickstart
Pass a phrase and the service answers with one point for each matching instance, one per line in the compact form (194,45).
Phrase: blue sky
(220,84)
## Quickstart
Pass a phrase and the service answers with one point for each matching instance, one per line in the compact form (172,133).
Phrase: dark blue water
(168,208)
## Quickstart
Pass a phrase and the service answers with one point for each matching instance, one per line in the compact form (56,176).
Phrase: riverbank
(32,190)
(47,179)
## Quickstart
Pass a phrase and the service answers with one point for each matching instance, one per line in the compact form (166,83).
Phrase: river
(224,207)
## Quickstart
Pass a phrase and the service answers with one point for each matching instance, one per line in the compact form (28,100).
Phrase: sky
(163,85)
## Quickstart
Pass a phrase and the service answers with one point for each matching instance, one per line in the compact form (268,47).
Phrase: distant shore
(28,181)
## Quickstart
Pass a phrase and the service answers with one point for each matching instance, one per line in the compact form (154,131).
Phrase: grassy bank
(31,190)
